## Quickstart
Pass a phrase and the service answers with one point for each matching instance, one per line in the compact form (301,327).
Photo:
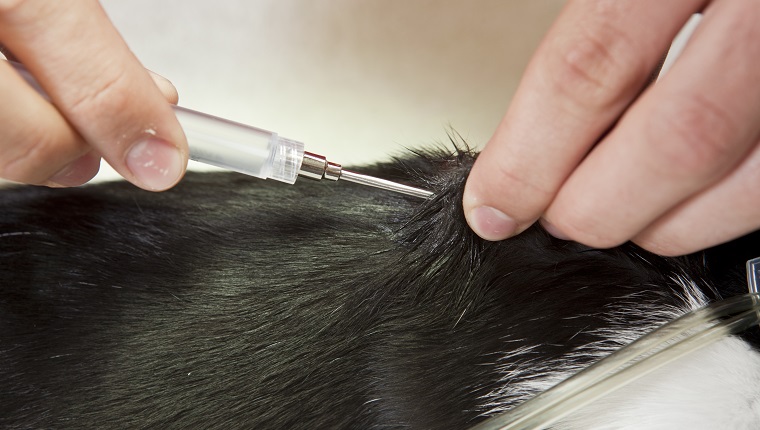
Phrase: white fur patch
(716,387)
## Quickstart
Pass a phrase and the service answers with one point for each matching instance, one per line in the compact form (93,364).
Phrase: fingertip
(497,205)
(673,236)
(76,173)
(663,248)
(553,230)
(588,230)
(485,220)
(166,87)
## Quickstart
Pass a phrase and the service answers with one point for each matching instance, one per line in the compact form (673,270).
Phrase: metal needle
(384,184)
(316,166)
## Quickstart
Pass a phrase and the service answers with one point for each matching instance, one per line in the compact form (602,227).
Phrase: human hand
(104,103)
(675,170)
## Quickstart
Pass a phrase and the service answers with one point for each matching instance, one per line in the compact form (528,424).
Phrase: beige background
(356,80)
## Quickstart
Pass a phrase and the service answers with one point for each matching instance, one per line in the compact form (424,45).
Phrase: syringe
(256,152)
(264,154)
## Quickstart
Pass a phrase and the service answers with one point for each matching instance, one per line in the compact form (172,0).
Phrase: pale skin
(105,104)
(583,147)
(674,169)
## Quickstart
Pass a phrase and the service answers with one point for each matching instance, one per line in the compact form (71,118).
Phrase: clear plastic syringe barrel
(228,144)
(239,147)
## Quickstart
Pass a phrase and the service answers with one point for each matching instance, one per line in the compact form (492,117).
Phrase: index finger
(96,82)
(592,64)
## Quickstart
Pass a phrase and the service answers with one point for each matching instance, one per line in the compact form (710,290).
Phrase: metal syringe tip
(315,166)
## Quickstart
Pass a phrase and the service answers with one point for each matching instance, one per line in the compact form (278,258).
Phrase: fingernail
(156,164)
(491,224)
(553,230)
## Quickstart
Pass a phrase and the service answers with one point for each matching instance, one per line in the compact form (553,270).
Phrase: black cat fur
(231,302)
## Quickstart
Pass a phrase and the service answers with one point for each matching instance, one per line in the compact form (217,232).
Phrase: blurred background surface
(356,80)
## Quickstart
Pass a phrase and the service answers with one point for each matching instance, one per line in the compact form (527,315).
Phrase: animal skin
(231,302)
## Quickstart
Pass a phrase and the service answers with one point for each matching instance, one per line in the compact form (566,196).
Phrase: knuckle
(110,94)
(696,136)
(596,71)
